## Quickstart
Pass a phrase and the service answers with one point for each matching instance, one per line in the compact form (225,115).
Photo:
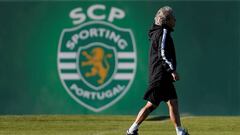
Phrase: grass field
(112,125)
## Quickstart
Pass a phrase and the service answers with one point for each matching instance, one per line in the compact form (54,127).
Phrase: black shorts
(164,91)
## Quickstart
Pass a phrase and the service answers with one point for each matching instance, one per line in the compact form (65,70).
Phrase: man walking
(162,72)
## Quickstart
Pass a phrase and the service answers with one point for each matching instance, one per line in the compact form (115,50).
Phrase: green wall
(207,40)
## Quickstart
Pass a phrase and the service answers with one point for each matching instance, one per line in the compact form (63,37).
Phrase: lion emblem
(97,60)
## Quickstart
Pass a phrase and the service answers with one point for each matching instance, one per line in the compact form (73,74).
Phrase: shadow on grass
(158,118)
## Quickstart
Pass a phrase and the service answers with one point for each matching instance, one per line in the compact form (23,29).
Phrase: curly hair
(163,15)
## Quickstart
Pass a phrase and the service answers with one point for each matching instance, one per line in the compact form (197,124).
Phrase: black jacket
(162,59)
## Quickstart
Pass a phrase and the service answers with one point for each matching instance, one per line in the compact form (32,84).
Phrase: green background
(207,40)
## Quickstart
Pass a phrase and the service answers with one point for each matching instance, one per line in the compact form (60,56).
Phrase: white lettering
(97,95)
(77,16)
(101,31)
(122,44)
(97,32)
(93,16)
(116,13)
(93,32)
(114,37)
(84,34)
(75,38)
(70,45)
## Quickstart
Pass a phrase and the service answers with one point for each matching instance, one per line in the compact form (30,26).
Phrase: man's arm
(162,52)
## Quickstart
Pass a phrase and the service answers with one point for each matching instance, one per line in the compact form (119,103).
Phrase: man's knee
(173,104)
(150,107)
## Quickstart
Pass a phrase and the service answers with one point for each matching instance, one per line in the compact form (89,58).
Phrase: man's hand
(175,76)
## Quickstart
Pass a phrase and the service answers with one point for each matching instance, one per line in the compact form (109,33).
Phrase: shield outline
(78,68)
(63,82)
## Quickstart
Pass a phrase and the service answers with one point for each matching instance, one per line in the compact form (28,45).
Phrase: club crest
(97,63)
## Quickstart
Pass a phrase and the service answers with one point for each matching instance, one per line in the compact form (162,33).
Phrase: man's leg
(144,112)
(175,117)
(142,115)
(174,113)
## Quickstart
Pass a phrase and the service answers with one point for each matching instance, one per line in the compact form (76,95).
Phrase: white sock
(133,127)
(179,130)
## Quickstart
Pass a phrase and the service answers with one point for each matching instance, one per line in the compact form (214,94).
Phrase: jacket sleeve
(163,53)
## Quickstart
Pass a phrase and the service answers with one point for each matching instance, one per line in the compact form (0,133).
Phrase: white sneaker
(183,132)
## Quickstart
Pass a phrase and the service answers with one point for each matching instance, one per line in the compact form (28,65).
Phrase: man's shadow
(158,118)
